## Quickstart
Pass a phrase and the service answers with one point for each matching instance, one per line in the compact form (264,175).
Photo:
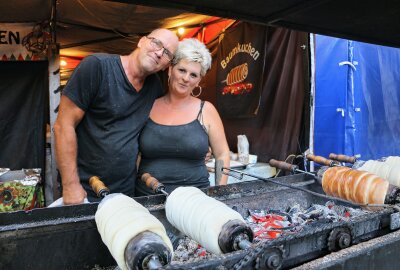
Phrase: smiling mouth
(154,59)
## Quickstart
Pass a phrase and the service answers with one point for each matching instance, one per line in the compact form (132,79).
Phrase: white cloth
(60,202)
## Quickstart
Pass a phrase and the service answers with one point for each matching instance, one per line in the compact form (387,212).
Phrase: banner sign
(240,61)
(22,42)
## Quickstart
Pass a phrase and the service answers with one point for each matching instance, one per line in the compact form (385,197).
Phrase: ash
(270,224)
(189,250)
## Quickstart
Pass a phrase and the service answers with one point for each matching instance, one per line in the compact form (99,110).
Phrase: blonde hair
(193,50)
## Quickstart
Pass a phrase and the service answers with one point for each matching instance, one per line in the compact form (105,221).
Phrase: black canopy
(87,26)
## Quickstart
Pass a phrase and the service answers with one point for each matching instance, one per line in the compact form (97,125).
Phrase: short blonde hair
(195,51)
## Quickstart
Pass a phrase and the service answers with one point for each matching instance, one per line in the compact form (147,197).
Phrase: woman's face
(184,77)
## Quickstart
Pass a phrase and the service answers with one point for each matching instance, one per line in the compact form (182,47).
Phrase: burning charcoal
(257,214)
(327,212)
(303,216)
(339,209)
(315,214)
(189,250)
(356,212)
(310,209)
(325,220)
(332,216)
(330,204)
(297,220)
(269,224)
(268,231)
(281,213)
(294,209)
(283,223)
(201,252)
(266,225)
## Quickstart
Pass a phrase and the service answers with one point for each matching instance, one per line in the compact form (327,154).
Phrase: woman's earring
(196,95)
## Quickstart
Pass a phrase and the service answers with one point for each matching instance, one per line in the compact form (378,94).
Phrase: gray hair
(195,51)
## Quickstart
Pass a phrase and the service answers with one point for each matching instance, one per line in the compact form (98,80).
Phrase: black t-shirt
(115,113)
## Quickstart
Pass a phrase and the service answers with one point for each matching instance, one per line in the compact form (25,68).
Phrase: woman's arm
(216,134)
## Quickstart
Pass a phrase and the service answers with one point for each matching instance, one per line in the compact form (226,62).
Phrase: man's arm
(66,149)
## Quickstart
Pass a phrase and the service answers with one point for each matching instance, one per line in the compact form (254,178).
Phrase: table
(259,169)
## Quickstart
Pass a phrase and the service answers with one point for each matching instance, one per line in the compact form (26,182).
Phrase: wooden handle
(342,158)
(151,182)
(320,160)
(283,165)
(98,186)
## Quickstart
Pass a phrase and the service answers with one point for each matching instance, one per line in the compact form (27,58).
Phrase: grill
(67,237)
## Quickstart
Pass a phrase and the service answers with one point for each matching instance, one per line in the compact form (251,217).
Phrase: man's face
(157,50)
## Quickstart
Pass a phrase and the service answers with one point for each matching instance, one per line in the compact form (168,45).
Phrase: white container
(243,149)
(252,159)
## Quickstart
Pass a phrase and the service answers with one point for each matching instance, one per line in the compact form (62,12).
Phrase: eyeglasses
(158,45)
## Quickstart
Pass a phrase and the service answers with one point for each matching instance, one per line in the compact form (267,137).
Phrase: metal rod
(164,192)
(244,244)
(309,173)
(154,263)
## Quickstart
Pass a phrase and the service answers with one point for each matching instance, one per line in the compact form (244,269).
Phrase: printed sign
(22,42)
(240,71)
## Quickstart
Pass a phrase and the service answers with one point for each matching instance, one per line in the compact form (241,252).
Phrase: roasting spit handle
(322,160)
(98,187)
(289,167)
(343,158)
(153,184)
(283,165)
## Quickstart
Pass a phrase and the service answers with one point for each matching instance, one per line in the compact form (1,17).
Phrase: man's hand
(73,194)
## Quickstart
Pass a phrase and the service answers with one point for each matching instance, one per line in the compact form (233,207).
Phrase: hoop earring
(196,95)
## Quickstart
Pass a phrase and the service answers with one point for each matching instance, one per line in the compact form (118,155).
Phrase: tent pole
(312,98)
(51,185)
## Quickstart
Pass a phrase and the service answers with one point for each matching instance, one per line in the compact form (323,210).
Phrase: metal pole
(51,186)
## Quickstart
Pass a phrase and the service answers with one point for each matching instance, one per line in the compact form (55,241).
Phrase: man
(102,110)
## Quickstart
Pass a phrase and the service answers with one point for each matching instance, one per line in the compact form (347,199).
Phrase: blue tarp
(357,101)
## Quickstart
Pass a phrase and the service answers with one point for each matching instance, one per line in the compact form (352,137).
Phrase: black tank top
(174,155)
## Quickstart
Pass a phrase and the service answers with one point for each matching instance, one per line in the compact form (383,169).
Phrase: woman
(175,140)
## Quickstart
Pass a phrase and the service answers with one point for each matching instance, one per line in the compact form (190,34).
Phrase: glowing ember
(270,224)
